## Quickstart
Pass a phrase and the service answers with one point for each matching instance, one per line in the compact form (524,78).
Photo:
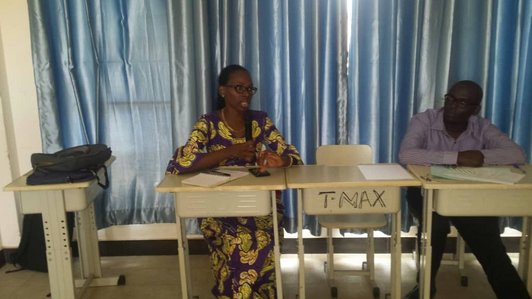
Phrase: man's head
(461,101)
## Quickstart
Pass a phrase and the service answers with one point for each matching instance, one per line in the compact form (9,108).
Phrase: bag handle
(105,184)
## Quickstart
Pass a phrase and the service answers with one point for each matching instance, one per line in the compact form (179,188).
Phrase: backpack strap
(105,184)
(15,270)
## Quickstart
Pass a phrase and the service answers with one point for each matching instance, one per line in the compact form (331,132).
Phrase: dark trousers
(482,235)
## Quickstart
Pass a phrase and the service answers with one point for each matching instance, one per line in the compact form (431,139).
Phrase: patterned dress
(241,248)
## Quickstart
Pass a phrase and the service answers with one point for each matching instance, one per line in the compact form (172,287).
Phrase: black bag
(31,251)
(86,156)
(74,164)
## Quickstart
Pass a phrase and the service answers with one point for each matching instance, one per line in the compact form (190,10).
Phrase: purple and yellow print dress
(241,248)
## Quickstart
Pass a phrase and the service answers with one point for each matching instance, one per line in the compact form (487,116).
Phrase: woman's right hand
(244,151)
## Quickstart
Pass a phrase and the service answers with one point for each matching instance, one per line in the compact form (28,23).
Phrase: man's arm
(500,149)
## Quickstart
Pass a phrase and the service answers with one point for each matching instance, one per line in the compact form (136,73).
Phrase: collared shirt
(427,142)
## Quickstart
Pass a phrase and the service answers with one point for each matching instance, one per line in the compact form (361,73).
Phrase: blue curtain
(136,75)
(403,56)
(102,75)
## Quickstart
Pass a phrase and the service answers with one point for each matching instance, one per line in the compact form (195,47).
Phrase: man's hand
(470,158)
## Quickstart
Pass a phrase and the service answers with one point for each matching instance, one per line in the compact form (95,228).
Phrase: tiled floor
(158,277)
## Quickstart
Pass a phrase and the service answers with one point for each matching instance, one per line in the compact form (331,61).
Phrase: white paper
(384,172)
(212,180)
(502,175)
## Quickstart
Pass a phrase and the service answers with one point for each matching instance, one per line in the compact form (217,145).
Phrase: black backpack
(74,164)
(31,251)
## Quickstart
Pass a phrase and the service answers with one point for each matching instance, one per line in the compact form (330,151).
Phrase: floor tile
(158,277)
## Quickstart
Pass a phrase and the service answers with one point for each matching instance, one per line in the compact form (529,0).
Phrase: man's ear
(220,91)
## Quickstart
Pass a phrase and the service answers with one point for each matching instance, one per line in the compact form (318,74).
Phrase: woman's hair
(223,78)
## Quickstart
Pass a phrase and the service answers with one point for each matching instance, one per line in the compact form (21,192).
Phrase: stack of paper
(384,172)
(502,175)
(214,178)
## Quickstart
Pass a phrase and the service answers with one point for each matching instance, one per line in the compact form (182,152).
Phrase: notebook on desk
(214,178)
(501,175)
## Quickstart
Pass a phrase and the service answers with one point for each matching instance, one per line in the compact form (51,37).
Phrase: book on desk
(213,178)
(490,174)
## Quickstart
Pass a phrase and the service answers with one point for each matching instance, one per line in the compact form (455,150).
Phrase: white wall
(19,121)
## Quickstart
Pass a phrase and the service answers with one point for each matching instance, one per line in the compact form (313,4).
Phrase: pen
(265,160)
(216,172)
(426,178)
(519,168)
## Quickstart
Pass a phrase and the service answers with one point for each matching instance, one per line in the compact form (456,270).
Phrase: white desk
(53,201)
(344,190)
(468,198)
(246,196)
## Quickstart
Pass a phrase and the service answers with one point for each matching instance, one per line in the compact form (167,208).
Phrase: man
(456,135)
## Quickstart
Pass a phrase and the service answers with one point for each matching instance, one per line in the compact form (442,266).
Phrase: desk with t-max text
(344,190)
(246,196)
(470,198)
(53,201)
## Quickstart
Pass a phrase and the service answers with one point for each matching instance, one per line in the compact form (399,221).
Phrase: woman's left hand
(269,159)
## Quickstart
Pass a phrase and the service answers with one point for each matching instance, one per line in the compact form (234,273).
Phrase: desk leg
(276,247)
(182,252)
(88,243)
(89,252)
(300,247)
(525,255)
(396,255)
(426,245)
(59,256)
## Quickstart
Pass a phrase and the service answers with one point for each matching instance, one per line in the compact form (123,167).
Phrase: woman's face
(238,91)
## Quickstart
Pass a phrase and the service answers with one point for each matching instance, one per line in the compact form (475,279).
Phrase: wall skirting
(312,245)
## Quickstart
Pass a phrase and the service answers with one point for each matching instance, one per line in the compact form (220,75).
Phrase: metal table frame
(53,202)
(246,196)
(456,198)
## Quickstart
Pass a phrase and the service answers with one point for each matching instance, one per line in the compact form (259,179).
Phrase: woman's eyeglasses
(241,89)
(460,102)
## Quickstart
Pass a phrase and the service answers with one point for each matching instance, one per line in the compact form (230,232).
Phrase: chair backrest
(344,154)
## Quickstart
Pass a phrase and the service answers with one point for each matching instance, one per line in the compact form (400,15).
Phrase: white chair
(344,155)
(457,258)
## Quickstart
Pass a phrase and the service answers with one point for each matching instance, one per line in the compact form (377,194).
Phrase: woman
(241,248)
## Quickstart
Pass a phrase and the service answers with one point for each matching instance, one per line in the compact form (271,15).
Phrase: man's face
(460,104)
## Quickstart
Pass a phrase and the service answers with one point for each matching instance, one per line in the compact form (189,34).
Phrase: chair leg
(460,248)
(330,255)
(417,253)
(457,259)
(371,255)
(460,252)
